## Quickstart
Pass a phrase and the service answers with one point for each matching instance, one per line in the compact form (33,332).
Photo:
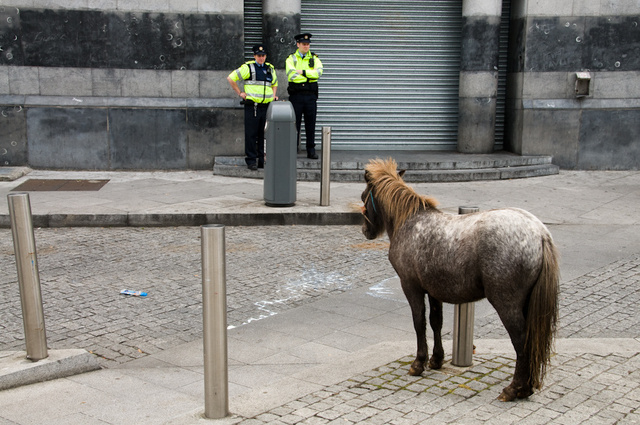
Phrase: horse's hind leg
(415,296)
(435,319)
(520,386)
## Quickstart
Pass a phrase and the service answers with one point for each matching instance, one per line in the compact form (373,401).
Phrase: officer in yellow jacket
(260,88)
(304,69)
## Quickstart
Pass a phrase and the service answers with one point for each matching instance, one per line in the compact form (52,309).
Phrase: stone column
(281,24)
(478,75)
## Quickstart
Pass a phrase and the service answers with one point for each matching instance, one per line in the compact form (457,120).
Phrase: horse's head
(374,224)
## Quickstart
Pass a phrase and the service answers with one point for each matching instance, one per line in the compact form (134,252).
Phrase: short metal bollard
(24,245)
(463,318)
(325,180)
(214,312)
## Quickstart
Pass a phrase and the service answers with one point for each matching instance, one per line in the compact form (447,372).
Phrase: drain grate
(49,185)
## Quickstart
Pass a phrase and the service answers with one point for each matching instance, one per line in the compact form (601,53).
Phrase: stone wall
(141,84)
(119,85)
(550,42)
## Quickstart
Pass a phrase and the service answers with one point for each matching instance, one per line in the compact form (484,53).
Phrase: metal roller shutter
(502,74)
(391,71)
(252,26)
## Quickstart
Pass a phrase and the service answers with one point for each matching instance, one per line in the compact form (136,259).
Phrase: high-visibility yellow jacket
(258,91)
(300,74)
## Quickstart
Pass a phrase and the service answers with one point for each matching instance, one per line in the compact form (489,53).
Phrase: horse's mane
(398,200)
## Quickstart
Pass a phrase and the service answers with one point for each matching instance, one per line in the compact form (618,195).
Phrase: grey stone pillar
(479,75)
(281,24)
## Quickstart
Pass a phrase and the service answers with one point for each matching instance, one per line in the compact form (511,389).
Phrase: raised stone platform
(16,370)
(421,166)
(9,174)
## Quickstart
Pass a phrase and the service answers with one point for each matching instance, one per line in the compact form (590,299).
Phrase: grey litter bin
(281,154)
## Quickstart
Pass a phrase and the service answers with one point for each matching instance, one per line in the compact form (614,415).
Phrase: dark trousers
(255,117)
(306,104)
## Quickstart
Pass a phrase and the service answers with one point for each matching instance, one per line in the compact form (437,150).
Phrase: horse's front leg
(415,296)
(435,318)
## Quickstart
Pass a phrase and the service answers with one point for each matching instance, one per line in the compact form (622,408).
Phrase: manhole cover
(48,185)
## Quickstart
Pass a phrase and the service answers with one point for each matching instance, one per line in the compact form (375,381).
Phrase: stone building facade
(598,126)
(141,84)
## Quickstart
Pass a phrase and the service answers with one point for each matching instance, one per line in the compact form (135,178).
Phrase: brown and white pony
(506,255)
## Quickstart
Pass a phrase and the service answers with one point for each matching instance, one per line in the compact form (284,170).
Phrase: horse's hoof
(507,395)
(415,372)
(435,364)
(416,369)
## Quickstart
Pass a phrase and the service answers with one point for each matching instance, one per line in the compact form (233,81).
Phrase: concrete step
(348,166)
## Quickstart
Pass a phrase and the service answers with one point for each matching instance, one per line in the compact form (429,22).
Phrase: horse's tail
(542,315)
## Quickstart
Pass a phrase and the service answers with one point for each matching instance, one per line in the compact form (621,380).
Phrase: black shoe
(260,164)
(312,155)
(253,167)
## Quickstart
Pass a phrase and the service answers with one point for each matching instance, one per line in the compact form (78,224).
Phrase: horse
(505,255)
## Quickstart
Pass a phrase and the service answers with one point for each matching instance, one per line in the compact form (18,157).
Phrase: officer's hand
(276,97)
(243,95)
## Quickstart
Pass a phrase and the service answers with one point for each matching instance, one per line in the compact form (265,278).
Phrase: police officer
(304,68)
(260,88)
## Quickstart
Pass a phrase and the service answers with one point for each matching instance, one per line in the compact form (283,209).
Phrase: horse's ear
(367,177)
(401,173)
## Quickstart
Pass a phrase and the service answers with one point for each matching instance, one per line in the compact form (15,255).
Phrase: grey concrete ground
(320,332)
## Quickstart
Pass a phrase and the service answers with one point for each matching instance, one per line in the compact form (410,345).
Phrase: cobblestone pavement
(82,271)
(269,269)
(587,389)
(604,303)
(578,389)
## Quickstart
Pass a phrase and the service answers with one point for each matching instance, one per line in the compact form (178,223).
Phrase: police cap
(303,38)
(259,49)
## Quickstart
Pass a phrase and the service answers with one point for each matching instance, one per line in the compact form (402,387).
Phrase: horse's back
(509,222)
(500,228)
(490,251)
(510,235)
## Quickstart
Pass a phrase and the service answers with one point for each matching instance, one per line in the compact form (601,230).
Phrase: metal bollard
(24,245)
(325,180)
(214,312)
(463,318)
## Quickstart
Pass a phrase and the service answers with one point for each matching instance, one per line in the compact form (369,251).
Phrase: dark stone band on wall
(13,137)
(516,53)
(572,44)
(128,40)
(480,43)
(279,33)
